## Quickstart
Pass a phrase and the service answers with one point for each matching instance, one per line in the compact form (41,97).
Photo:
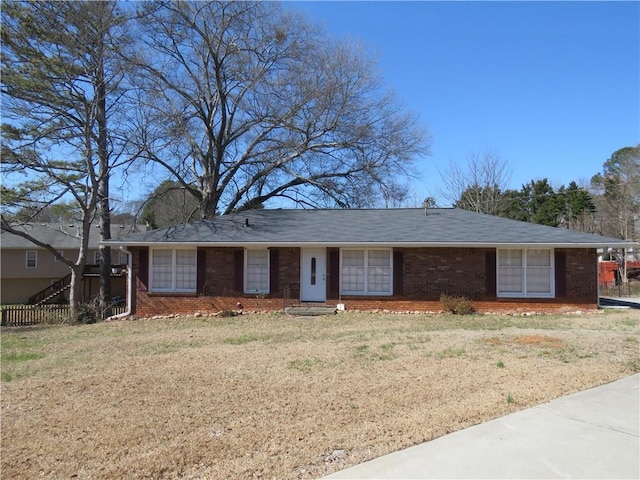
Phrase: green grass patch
(308,365)
(21,357)
(242,339)
(451,352)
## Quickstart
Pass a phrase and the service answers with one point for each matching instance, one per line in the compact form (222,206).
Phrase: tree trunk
(103,192)
(75,293)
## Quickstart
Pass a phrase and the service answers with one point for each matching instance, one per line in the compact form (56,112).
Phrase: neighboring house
(27,269)
(393,259)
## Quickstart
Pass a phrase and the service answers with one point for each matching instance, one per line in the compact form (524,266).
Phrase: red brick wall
(428,273)
(582,274)
(219,291)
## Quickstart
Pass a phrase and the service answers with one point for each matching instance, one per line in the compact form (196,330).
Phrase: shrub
(456,305)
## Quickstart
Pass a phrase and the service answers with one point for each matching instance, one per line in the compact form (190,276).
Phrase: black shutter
(334,272)
(561,274)
(274,271)
(398,272)
(238,270)
(201,276)
(491,279)
(143,267)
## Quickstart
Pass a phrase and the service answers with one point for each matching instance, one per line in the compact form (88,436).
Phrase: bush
(456,305)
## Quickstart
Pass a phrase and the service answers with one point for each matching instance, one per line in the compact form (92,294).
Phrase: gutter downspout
(127,311)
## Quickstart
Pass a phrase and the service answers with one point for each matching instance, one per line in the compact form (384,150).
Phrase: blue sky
(553,88)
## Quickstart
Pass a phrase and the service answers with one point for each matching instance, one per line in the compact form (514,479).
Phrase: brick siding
(428,273)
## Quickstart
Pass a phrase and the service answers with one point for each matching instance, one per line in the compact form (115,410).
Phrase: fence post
(4,318)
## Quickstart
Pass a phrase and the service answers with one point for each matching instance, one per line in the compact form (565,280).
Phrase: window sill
(172,294)
(520,295)
(368,295)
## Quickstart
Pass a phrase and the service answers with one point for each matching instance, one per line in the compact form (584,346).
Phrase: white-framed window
(173,270)
(366,271)
(256,271)
(31,259)
(526,272)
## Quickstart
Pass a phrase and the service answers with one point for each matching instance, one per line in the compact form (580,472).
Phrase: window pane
(353,258)
(32,259)
(538,280)
(257,272)
(510,272)
(379,271)
(185,269)
(162,257)
(185,257)
(162,276)
(353,271)
(538,258)
(353,279)
(510,258)
(538,271)
(510,280)
(379,258)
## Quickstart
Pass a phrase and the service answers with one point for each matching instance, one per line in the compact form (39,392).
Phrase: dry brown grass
(271,396)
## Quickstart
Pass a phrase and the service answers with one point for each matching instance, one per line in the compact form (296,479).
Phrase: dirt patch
(270,396)
(542,341)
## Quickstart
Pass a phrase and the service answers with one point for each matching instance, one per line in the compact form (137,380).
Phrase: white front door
(313,275)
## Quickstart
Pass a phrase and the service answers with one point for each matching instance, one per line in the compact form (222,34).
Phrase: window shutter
(143,267)
(561,273)
(334,272)
(201,275)
(238,270)
(398,272)
(274,271)
(490,274)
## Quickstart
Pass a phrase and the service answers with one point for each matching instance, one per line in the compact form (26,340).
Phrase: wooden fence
(22,315)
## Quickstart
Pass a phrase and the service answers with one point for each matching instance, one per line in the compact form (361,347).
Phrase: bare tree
(243,103)
(477,186)
(59,69)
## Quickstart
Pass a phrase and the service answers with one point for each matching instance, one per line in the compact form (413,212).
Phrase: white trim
(173,271)
(523,293)
(245,276)
(621,244)
(366,293)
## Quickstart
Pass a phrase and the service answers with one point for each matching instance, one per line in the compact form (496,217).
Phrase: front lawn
(273,396)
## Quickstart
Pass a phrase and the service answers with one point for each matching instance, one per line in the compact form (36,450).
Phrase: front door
(313,275)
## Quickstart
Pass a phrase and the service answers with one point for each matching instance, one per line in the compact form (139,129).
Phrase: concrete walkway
(593,434)
(620,302)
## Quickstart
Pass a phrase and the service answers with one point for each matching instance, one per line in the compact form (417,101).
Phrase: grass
(273,396)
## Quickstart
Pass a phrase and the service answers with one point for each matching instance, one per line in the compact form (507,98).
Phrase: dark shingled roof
(61,236)
(406,226)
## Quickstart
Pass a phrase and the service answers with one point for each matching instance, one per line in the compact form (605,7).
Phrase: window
(173,270)
(32,259)
(256,276)
(96,257)
(525,273)
(366,272)
(61,252)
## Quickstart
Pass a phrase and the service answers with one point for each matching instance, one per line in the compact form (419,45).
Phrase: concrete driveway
(594,434)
